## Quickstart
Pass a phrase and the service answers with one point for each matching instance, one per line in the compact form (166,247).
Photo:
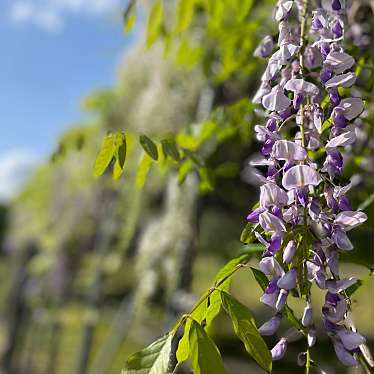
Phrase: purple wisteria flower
(304,216)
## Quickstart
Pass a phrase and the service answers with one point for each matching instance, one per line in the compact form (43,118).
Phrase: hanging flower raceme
(304,214)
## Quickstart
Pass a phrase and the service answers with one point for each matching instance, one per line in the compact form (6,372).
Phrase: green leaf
(365,204)
(360,282)
(199,313)
(222,276)
(207,180)
(183,345)
(185,11)
(246,330)
(252,248)
(154,22)
(169,148)
(143,170)
(243,7)
(149,146)
(120,154)
(105,155)
(247,235)
(185,167)
(152,360)
(213,308)
(129,16)
(227,170)
(261,278)
(290,315)
(203,353)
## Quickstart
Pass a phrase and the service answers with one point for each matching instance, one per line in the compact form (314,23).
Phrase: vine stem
(303,28)
(307,364)
(207,295)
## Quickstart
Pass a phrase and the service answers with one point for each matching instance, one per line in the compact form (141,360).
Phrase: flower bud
(279,350)
(270,327)
(307,318)
(289,252)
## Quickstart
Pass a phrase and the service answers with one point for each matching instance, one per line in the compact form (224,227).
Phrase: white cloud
(16,167)
(50,15)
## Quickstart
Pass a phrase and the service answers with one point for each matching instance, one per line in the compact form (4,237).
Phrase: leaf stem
(207,295)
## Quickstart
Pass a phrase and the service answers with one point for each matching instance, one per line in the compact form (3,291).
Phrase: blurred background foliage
(92,269)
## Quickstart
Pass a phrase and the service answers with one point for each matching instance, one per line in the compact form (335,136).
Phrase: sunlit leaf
(185,167)
(203,353)
(243,7)
(247,235)
(105,155)
(213,308)
(261,278)
(152,360)
(185,11)
(129,16)
(120,154)
(183,345)
(154,22)
(223,276)
(149,146)
(143,170)
(207,181)
(245,328)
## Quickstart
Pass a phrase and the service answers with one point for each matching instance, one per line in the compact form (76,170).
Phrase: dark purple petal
(337,29)
(253,216)
(340,121)
(334,97)
(326,74)
(336,5)
(341,240)
(344,203)
(272,286)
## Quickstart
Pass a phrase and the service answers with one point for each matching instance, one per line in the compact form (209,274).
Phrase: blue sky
(54,52)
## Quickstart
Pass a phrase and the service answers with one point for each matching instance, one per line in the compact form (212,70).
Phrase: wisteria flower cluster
(304,213)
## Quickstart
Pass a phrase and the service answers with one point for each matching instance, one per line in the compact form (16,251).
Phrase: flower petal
(276,100)
(288,151)
(350,219)
(270,327)
(351,340)
(338,62)
(301,86)
(342,140)
(288,280)
(279,350)
(271,223)
(352,107)
(345,357)
(342,80)
(300,176)
(272,195)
